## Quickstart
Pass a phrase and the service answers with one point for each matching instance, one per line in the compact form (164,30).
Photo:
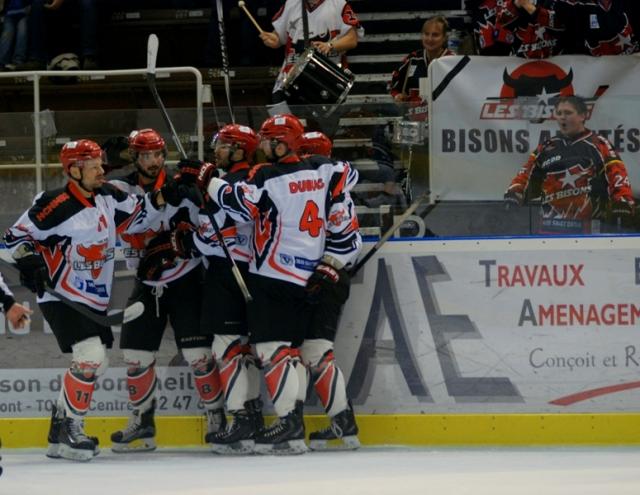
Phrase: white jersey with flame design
(300,209)
(133,245)
(76,236)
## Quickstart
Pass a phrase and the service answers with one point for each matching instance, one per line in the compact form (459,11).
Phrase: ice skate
(54,430)
(139,435)
(284,437)
(216,421)
(73,443)
(343,430)
(238,436)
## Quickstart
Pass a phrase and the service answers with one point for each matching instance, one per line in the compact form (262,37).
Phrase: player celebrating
(289,202)
(170,289)
(67,240)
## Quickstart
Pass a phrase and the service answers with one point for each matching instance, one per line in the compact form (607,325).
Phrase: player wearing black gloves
(67,239)
(293,204)
(169,283)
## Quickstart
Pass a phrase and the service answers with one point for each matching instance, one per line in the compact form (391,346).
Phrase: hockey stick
(387,235)
(225,58)
(152,53)
(118,318)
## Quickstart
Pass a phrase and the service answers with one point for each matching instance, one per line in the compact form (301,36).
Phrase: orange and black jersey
(76,236)
(575,177)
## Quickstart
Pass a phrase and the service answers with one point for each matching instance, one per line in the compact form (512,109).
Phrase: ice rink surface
(392,470)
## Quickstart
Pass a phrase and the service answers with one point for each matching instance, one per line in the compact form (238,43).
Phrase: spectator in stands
(577,174)
(405,80)
(600,27)
(533,35)
(13,40)
(333,30)
(492,39)
(52,37)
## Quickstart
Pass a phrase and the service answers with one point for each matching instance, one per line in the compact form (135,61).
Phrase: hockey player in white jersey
(327,292)
(170,286)
(67,240)
(289,202)
(224,310)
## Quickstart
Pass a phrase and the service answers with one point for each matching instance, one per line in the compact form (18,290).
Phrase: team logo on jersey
(529,93)
(95,256)
(620,44)
(242,240)
(286,259)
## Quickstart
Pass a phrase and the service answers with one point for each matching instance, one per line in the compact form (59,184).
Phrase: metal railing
(35,76)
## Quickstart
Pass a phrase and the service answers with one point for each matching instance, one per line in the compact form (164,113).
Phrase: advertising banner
(489,113)
(462,326)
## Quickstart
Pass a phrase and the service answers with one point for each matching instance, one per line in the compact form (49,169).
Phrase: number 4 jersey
(300,209)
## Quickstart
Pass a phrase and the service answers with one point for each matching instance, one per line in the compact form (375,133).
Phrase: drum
(409,132)
(316,80)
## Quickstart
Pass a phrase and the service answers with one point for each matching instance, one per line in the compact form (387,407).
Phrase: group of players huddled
(290,226)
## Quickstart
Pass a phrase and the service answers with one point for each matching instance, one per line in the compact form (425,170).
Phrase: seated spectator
(577,175)
(13,40)
(533,37)
(600,27)
(491,37)
(405,80)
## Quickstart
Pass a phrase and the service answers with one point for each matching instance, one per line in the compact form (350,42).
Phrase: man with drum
(333,30)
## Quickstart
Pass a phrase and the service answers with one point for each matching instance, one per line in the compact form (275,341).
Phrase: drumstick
(242,5)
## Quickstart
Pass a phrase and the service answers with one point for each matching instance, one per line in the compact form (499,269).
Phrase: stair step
(365,121)
(387,57)
(369,98)
(412,14)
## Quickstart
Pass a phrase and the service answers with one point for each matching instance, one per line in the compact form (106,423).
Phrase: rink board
(400,429)
(466,341)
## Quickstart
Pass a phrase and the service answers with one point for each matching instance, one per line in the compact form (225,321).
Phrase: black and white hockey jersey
(300,209)
(76,236)
(133,244)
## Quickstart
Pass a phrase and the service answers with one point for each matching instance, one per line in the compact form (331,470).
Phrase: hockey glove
(207,171)
(512,199)
(162,251)
(323,279)
(188,171)
(174,192)
(33,273)
(621,213)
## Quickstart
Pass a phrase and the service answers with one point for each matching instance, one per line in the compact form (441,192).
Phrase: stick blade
(152,53)
(132,312)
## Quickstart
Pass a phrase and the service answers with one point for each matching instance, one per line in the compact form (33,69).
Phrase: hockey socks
(286,435)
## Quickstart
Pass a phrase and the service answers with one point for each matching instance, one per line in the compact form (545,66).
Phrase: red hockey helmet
(76,152)
(241,136)
(145,140)
(285,128)
(316,143)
